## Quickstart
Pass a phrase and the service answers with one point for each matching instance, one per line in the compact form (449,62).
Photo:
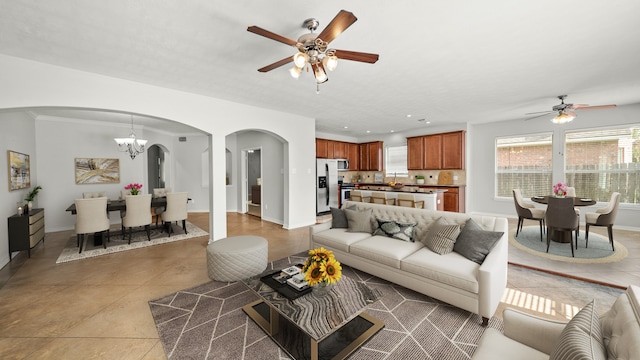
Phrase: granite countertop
(425,189)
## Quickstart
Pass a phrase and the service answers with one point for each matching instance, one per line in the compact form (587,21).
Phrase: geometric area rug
(117,244)
(599,250)
(207,322)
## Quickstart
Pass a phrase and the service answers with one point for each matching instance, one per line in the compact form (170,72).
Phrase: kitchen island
(432,196)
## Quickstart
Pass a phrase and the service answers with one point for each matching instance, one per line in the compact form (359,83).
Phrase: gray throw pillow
(395,229)
(359,221)
(441,236)
(339,218)
(581,338)
(474,242)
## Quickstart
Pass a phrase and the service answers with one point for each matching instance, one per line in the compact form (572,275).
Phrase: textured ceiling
(444,61)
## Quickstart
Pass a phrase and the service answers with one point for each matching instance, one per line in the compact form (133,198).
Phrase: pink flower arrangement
(560,189)
(135,188)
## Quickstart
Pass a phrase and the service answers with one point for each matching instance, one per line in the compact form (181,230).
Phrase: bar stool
(382,197)
(409,200)
(356,195)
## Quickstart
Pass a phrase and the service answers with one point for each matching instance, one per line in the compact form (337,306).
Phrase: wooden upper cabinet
(433,152)
(375,156)
(415,153)
(353,155)
(339,150)
(453,149)
(322,150)
(363,150)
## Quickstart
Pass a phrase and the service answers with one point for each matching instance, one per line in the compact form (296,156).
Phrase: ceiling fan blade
(273,36)
(340,23)
(596,107)
(276,64)
(571,113)
(537,116)
(539,112)
(357,56)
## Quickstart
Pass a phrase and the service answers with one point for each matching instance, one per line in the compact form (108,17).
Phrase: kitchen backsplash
(430,177)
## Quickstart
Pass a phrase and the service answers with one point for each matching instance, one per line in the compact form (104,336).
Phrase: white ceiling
(444,61)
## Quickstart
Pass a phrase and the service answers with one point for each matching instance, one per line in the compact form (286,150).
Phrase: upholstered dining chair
(409,200)
(356,195)
(94,194)
(561,217)
(571,192)
(604,216)
(91,217)
(382,197)
(176,210)
(528,211)
(159,192)
(138,214)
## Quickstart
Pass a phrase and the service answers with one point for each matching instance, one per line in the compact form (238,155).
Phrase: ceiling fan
(565,111)
(313,48)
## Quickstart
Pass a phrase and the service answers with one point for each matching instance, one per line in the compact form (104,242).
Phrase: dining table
(563,236)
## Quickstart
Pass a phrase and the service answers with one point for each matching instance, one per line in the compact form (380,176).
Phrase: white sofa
(451,278)
(530,337)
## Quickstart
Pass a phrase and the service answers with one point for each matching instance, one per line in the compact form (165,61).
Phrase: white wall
(481,157)
(28,84)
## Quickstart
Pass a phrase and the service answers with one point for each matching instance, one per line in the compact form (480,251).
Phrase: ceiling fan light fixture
(319,73)
(562,118)
(330,62)
(300,59)
(295,72)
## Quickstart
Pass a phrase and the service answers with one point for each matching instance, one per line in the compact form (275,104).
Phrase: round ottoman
(236,258)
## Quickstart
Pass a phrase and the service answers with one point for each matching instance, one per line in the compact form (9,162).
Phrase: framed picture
(19,170)
(97,171)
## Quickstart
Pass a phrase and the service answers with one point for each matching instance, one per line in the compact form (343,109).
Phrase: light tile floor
(97,308)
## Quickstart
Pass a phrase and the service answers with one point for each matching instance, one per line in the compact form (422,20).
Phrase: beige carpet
(117,244)
(207,322)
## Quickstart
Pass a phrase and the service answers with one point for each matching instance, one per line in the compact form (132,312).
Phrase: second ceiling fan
(313,49)
(565,111)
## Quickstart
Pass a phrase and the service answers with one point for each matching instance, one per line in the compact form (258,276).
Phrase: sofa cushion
(339,218)
(395,229)
(339,239)
(494,345)
(359,220)
(621,326)
(451,269)
(384,250)
(441,236)
(474,242)
(581,338)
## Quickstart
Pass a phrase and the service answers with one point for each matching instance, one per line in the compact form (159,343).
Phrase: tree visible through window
(525,163)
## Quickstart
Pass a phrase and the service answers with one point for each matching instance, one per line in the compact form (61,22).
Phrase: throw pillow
(339,218)
(359,221)
(395,229)
(581,338)
(441,236)
(474,242)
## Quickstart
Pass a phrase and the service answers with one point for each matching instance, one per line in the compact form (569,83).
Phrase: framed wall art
(97,171)
(19,170)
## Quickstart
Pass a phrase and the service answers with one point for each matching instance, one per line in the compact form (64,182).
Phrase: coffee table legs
(300,346)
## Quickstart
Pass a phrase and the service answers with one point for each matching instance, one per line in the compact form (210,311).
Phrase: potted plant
(419,179)
(32,196)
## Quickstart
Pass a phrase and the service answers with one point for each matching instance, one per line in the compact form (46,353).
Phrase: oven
(345,192)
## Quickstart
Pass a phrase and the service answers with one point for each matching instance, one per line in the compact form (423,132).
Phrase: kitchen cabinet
(371,156)
(25,231)
(330,149)
(436,151)
(339,150)
(454,199)
(322,148)
(353,155)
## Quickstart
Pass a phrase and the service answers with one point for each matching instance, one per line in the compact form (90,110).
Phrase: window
(525,163)
(396,161)
(602,161)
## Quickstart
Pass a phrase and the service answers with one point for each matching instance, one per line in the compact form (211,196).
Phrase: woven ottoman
(236,258)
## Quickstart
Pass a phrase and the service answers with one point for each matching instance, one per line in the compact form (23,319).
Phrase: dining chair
(571,192)
(409,200)
(138,214)
(159,192)
(176,210)
(382,197)
(561,217)
(91,217)
(94,194)
(604,216)
(528,211)
(356,195)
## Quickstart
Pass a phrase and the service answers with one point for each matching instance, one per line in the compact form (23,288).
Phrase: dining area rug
(207,322)
(599,250)
(117,244)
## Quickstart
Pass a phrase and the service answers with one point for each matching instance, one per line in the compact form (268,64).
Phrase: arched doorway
(157,169)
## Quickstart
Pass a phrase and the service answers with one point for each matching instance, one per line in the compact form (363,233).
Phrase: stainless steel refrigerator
(327,194)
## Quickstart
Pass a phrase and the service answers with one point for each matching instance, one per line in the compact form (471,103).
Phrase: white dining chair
(91,218)
(176,210)
(94,194)
(159,192)
(138,214)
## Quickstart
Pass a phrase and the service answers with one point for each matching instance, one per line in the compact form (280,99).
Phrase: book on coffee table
(298,282)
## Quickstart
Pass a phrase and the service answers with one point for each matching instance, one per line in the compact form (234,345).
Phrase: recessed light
(408,115)
(393,131)
(346,127)
(368,131)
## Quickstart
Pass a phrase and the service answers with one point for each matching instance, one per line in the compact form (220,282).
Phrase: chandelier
(131,144)
(313,53)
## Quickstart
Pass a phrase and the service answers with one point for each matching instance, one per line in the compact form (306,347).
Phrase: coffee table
(311,327)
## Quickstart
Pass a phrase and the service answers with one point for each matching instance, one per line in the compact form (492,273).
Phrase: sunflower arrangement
(322,267)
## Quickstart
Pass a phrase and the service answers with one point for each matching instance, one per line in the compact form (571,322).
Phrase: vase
(321,289)
(559,195)
(30,205)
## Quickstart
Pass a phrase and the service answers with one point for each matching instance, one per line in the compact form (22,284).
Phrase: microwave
(343,164)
